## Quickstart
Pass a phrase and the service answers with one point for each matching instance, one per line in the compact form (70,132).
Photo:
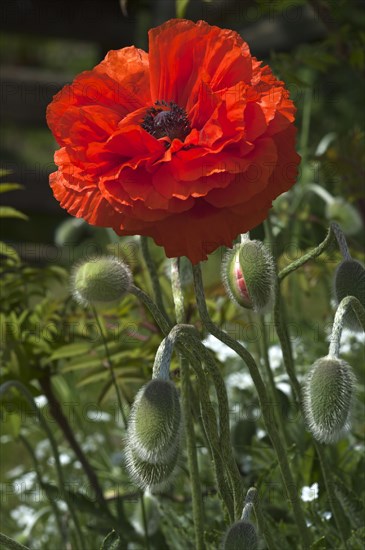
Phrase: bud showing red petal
(328,396)
(248,275)
(104,279)
(350,281)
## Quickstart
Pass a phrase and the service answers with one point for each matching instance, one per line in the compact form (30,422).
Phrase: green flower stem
(11,544)
(341,241)
(28,396)
(44,486)
(225,446)
(272,386)
(283,336)
(153,275)
(144,519)
(343,307)
(314,253)
(110,365)
(197,502)
(264,403)
(207,411)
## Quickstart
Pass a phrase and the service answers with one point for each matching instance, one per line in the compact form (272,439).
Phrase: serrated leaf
(5,187)
(112,542)
(10,212)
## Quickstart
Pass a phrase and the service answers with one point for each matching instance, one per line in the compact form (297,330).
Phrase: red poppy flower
(188,144)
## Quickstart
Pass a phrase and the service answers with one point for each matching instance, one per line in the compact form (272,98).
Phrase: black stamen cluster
(167,120)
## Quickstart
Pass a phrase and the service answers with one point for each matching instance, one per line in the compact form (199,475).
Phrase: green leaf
(4,172)
(9,252)
(5,187)
(181,6)
(10,212)
(112,542)
(70,350)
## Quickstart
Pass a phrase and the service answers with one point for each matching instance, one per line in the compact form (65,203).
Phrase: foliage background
(317,48)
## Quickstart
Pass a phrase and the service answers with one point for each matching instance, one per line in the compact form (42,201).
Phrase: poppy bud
(241,536)
(103,279)
(350,281)
(155,421)
(345,214)
(328,395)
(150,475)
(248,275)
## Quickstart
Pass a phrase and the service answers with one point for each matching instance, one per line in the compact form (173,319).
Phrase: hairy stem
(153,275)
(264,403)
(343,307)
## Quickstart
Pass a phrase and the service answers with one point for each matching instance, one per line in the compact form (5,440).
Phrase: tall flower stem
(11,544)
(264,403)
(110,366)
(207,410)
(153,275)
(284,339)
(197,502)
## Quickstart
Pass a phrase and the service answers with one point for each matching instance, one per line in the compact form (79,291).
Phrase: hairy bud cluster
(103,279)
(350,281)
(153,436)
(328,396)
(248,275)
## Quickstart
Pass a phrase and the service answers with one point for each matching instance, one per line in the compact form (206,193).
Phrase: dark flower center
(166,120)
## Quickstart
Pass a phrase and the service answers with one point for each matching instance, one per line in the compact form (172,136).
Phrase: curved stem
(11,544)
(344,306)
(314,253)
(264,403)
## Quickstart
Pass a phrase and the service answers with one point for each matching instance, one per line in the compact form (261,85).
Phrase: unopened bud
(350,281)
(155,421)
(241,536)
(248,275)
(104,279)
(150,475)
(328,396)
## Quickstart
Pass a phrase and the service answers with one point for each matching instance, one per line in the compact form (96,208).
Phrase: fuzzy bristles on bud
(241,536)
(150,475)
(327,398)
(155,421)
(103,279)
(350,281)
(248,275)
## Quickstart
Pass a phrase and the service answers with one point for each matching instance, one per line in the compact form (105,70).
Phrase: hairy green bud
(151,475)
(248,275)
(350,281)
(103,279)
(328,395)
(155,421)
(241,536)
